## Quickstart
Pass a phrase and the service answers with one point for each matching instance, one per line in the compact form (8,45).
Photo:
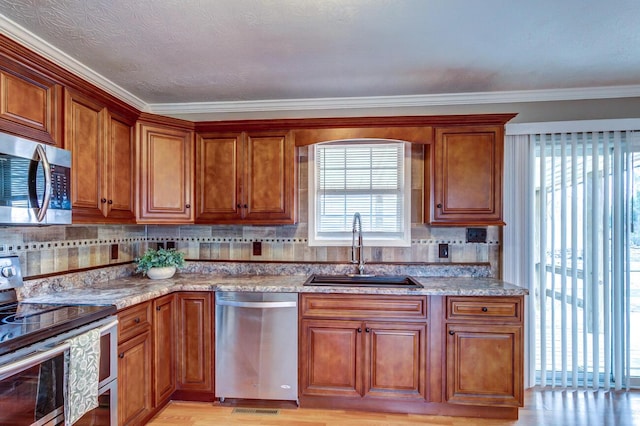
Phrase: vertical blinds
(581,188)
(360,177)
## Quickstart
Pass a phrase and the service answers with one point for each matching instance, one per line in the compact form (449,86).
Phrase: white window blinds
(365,177)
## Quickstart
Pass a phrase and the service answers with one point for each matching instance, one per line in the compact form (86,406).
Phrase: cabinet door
(331,358)
(166,174)
(119,178)
(395,360)
(134,379)
(195,342)
(84,137)
(269,178)
(218,179)
(31,106)
(467,176)
(164,343)
(484,365)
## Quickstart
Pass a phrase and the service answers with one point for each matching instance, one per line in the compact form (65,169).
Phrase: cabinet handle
(451,332)
(103,200)
(121,355)
(439,206)
(367,329)
(359,330)
(137,320)
(484,309)
(158,308)
(187,206)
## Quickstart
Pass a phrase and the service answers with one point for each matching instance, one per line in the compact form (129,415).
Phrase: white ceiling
(186,52)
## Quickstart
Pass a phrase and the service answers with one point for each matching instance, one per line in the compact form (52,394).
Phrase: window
(371,177)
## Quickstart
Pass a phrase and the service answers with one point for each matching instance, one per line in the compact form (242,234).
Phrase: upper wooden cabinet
(101,145)
(31,106)
(165,173)
(467,176)
(246,177)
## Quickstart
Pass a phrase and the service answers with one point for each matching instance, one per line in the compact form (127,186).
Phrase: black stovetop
(23,324)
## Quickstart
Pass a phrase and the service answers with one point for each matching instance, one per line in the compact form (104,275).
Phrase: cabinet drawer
(363,306)
(490,309)
(133,321)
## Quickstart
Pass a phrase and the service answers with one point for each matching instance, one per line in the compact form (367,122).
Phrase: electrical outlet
(114,252)
(443,251)
(257,248)
(476,235)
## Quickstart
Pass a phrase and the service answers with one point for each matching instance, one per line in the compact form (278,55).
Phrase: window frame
(369,240)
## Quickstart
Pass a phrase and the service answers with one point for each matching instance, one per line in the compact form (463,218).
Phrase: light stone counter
(130,290)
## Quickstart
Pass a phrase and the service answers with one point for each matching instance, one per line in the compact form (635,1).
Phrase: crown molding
(43,48)
(57,56)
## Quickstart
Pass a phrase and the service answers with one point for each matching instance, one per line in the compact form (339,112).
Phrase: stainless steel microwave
(35,182)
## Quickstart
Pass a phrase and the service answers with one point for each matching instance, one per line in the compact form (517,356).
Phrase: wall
(51,249)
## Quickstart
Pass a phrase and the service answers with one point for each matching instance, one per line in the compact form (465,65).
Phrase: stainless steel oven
(35,182)
(35,357)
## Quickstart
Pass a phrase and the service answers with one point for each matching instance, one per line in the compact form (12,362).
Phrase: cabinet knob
(158,308)
(239,206)
(246,206)
(137,320)
(110,202)
(121,355)
(103,200)
(451,332)
(439,205)
(367,329)
(484,309)
(359,330)
(187,206)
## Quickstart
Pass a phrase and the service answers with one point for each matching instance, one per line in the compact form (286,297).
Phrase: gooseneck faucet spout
(356,243)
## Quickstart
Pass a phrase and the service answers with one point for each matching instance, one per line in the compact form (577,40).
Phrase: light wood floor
(543,407)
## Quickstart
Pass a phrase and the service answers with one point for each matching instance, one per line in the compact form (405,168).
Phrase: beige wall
(51,249)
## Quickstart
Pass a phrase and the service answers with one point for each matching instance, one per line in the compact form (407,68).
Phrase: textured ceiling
(183,51)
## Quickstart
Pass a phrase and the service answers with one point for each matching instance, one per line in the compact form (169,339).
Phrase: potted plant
(159,264)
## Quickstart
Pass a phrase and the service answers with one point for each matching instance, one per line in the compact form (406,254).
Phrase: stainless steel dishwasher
(256,349)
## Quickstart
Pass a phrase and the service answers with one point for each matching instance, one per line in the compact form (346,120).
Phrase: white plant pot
(161,273)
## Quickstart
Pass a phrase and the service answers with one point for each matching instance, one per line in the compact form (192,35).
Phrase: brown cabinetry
(246,177)
(30,106)
(164,349)
(484,351)
(165,173)
(195,345)
(467,176)
(374,347)
(134,364)
(101,145)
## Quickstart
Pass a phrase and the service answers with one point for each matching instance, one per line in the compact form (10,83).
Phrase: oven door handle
(32,360)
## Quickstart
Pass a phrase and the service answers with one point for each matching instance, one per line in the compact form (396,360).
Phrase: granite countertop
(128,291)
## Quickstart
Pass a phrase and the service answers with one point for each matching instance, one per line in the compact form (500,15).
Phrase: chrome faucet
(357,229)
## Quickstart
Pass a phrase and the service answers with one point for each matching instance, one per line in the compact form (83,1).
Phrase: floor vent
(259,411)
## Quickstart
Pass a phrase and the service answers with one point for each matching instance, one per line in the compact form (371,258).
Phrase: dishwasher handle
(255,305)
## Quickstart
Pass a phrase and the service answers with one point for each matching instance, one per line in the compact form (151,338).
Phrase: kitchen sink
(382,281)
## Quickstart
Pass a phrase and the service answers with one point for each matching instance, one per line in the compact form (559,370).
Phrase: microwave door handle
(47,182)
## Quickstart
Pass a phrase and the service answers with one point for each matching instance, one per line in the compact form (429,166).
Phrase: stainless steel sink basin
(382,281)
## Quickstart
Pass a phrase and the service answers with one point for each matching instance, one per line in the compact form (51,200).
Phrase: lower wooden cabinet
(134,379)
(164,349)
(195,345)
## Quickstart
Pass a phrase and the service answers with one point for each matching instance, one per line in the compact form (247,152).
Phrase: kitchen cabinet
(363,347)
(195,345)
(486,332)
(164,349)
(165,173)
(467,176)
(246,177)
(30,105)
(134,364)
(101,145)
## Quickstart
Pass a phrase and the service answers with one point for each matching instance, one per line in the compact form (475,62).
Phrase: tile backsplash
(53,249)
